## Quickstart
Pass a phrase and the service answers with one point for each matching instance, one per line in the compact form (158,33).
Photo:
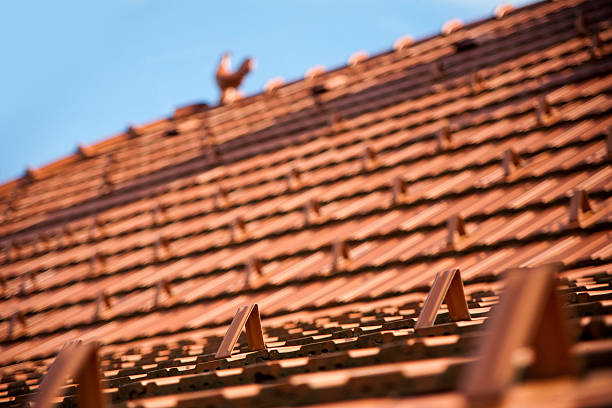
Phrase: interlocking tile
(332,203)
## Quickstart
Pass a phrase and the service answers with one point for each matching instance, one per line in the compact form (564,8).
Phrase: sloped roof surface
(149,241)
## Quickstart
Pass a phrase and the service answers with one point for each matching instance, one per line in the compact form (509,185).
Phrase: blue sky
(81,71)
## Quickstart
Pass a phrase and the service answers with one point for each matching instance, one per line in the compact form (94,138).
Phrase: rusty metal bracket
(78,361)
(528,315)
(447,286)
(246,317)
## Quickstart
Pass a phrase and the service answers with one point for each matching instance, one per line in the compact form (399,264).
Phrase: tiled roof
(331,202)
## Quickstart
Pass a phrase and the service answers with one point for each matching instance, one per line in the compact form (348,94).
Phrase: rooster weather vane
(229,81)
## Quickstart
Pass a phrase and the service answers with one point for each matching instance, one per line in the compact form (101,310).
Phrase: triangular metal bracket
(340,255)
(102,301)
(253,270)
(17,318)
(78,361)
(336,122)
(455,226)
(444,138)
(159,214)
(447,286)
(398,190)
(162,286)
(312,211)
(510,162)
(544,111)
(369,159)
(246,317)
(294,179)
(237,229)
(529,314)
(579,204)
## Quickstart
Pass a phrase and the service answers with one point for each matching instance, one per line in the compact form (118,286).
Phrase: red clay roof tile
(337,199)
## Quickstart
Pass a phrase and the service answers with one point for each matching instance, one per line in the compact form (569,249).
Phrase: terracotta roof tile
(330,210)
